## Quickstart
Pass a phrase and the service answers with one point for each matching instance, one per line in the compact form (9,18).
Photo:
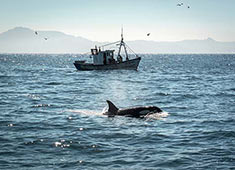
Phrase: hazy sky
(102,20)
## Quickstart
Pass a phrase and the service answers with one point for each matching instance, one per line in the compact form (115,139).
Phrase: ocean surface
(51,114)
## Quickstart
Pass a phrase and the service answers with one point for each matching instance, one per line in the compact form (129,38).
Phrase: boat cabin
(102,57)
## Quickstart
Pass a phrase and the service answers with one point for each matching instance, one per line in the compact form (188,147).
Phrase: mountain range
(25,40)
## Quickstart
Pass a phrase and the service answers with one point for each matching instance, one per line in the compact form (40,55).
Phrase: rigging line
(131,49)
(112,47)
(109,44)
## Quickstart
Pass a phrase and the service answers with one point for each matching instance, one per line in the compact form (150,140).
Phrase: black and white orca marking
(137,112)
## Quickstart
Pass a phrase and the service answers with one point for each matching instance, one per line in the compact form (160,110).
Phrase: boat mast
(122,44)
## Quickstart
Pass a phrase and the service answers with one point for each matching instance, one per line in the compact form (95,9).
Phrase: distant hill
(24,40)
(187,46)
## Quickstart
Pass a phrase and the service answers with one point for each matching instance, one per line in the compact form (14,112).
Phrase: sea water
(51,114)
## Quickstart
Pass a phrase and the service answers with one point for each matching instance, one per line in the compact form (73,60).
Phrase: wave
(41,105)
(54,83)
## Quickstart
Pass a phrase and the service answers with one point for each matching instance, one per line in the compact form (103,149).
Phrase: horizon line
(222,53)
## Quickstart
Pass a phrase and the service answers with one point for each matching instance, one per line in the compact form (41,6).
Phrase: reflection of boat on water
(104,59)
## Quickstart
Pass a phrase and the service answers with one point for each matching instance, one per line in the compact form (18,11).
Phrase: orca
(137,112)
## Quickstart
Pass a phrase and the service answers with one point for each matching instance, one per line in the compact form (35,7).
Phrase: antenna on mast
(122,33)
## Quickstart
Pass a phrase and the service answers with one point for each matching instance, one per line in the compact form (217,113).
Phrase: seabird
(36,32)
(148,34)
(45,38)
(180,4)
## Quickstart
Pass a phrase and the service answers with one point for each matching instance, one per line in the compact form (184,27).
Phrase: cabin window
(94,51)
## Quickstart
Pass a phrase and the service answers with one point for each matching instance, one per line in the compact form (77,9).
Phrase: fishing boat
(105,59)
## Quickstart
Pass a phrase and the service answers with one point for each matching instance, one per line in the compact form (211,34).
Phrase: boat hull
(127,65)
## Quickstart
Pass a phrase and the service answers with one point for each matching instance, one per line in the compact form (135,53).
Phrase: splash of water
(157,116)
(105,109)
(87,112)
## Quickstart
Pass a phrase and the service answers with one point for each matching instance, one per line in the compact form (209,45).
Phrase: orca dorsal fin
(112,108)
